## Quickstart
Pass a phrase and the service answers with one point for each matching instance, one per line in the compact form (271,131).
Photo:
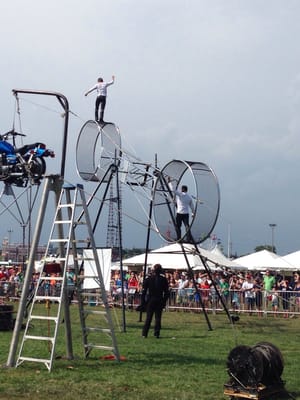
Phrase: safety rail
(281,303)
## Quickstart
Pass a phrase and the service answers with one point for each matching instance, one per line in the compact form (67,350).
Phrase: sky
(211,81)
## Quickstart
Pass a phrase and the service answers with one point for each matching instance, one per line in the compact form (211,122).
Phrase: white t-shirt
(184,201)
(247,287)
(101,88)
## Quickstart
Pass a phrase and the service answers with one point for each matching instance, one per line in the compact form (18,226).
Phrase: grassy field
(188,362)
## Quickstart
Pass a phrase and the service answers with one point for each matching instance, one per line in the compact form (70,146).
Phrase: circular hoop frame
(98,148)
(204,190)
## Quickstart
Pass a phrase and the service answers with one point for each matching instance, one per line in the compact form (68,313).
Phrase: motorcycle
(18,166)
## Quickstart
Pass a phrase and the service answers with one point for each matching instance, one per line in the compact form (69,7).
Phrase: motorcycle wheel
(37,168)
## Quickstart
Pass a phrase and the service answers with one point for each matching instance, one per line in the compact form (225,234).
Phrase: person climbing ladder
(101,88)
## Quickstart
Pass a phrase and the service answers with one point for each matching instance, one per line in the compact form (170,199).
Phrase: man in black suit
(154,295)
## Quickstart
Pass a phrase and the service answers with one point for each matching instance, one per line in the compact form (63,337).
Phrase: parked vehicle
(19,166)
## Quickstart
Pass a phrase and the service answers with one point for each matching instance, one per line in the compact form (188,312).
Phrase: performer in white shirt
(101,88)
(184,203)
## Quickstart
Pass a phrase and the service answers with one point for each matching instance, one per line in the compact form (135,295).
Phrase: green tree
(265,247)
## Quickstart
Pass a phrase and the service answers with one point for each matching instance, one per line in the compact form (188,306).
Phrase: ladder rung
(41,360)
(45,338)
(94,346)
(91,294)
(51,278)
(59,240)
(49,298)
(42,317)
(65,221)
(92,312)
(103,330)
(59,259)
(65,205)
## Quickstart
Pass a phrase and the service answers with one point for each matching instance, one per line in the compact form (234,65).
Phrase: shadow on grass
(295,395)
(193,360)
(285,395)
(157,358)
(167,330)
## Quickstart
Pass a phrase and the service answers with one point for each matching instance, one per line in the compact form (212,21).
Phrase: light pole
(273,226)
(9,231)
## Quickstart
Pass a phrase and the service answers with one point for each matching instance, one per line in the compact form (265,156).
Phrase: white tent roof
(293,259)
(220,259)
(263,259)
(172,257)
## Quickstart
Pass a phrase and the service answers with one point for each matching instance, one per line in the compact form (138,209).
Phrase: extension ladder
(70,230)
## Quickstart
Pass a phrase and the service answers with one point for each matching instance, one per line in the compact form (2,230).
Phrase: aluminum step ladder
(71,233)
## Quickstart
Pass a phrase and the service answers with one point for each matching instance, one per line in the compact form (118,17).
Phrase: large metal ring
(98,148)
(203,187)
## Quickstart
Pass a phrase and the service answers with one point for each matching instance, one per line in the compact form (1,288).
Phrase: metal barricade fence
(10,290)
(278,303)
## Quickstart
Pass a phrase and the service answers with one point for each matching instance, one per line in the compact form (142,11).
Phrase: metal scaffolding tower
(114,219)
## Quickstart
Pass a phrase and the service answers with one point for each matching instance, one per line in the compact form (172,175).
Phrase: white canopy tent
(262,260)
(293,259)
(168,258)
(172,257)
(222,260)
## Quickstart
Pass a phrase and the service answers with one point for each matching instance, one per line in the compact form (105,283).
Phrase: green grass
(187,363)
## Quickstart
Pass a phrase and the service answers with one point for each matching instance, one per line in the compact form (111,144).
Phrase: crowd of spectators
(251,292)
(240,291)
(10,281)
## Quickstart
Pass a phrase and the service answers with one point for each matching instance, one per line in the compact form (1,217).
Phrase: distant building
(18,253)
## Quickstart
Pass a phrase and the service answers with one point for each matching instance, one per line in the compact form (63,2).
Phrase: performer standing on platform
(154,297)
(101,88)
(184,203)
